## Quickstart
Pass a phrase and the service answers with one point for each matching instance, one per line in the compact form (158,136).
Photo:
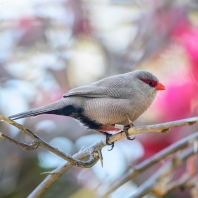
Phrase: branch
(150,162)
(58,172)
(37,141)
(93,151)
(159,128)
(185,182)
(164,171)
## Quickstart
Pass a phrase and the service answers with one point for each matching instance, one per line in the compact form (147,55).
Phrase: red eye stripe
(151,83)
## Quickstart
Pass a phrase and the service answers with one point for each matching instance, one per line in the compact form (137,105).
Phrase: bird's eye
(150,83)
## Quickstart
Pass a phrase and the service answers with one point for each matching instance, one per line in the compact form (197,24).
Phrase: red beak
(160,87)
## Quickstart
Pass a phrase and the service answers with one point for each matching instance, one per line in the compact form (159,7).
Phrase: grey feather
(90,91)
(112,87)
(41,110)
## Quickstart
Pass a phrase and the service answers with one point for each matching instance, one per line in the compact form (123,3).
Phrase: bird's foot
(107,141)
(127,133)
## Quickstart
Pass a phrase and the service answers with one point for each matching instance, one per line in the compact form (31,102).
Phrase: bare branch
(94,151)
(165,170)
(57,173)
(49,180)
(37,141)
(24,146)
(186,181)
(159,128)
(150,162)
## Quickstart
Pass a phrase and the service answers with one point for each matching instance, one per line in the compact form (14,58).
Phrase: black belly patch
(77,113)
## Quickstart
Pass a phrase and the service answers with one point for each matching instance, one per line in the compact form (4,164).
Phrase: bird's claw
(107,141)
(128,138)
(112,146)
(126,132)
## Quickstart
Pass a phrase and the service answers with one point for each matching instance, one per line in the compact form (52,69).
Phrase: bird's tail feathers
(41,110)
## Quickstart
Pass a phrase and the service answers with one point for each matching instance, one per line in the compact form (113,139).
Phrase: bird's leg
(127,127)
(107,141)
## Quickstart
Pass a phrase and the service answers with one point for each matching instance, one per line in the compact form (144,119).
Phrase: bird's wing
(90,91)
(111,87)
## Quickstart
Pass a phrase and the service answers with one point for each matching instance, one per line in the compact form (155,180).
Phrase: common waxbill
(119,99)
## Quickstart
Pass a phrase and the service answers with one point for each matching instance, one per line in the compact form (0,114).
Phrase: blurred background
(49,47)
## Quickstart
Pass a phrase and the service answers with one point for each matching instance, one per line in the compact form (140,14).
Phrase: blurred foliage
(48,47)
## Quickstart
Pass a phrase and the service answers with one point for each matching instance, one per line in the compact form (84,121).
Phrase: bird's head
(147,82)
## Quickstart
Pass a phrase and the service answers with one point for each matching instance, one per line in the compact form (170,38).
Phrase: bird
(115,100)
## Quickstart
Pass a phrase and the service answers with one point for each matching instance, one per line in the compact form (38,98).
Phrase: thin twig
(24,146)
(57,173)
(37,141)
(184,182)
(165,170)
(150,162)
